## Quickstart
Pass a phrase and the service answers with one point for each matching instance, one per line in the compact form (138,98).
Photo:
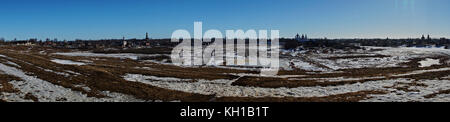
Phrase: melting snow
(67,62)
(89,54)
(48,92)
(14,97)
(422,71)
(224,88)
(305,65)
(410,51)
(429,62)
(402,96)
(12,63)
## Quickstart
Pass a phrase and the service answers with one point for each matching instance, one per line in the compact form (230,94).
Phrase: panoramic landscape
(146,51)
(59,71)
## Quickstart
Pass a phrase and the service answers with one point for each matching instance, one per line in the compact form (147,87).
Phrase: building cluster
(90,44)
(305,42)
(291,43)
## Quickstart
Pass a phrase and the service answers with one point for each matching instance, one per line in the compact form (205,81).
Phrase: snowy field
(400,74)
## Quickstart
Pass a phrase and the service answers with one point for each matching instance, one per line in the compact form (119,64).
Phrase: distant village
(420,41)
(299,41)
(93,44)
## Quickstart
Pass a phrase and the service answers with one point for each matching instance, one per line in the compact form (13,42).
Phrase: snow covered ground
(410,51)
(320,63)
(48,92)
(393,56)
(432,86)
(223,88)
(89,54)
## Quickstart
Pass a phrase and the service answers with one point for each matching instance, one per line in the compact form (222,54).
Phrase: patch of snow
(370,62)
(410,51)
(117,55)
(429,62)
(84,87)
(259,75)
(12,63)
(167,79)
(446,77)
(72,72)
(67,62)
(59,73)
(14,97)
(422,71)
(87,61)
(42,52)
(119,97)
(305,65)
(145,68)
(337,79)
(402,96)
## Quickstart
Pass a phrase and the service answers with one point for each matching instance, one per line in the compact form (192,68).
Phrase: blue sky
(100,19)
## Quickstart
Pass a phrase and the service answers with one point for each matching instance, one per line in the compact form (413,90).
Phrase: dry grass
(31,97)
(6,86)
(267,82)
(157,58)
(347,97)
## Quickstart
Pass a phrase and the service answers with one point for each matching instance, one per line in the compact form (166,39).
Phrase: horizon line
(204,38)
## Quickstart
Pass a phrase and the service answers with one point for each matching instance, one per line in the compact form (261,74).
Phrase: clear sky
(101,19)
